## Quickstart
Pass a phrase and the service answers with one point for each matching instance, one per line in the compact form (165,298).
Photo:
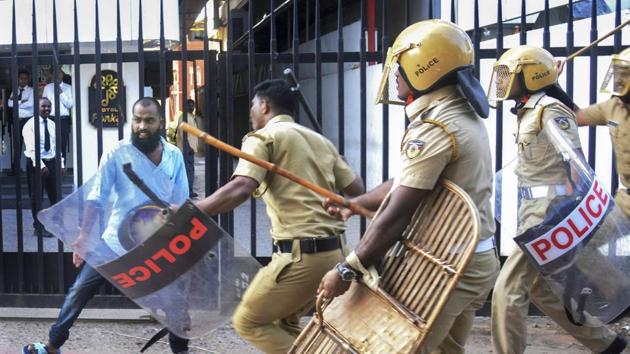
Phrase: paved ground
(91,337)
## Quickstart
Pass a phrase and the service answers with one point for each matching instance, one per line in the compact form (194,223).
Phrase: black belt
(309,245)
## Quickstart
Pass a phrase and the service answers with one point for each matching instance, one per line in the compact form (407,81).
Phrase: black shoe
(617,346)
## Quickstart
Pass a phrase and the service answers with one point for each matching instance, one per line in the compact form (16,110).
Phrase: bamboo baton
(210,140)
(595,42)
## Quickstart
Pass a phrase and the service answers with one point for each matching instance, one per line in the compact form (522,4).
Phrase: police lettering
(178,246)
(538,76)
(573,229)
(421,69)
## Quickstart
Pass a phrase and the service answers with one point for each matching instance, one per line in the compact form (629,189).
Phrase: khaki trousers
(519,281)
(281,293)
(451,329)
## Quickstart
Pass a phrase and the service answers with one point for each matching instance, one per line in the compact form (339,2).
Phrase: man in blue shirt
(150,155)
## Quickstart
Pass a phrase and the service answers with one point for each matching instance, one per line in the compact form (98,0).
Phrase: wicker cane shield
(419,274)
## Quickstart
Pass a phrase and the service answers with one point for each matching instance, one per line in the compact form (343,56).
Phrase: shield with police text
(171,259)
(563,218)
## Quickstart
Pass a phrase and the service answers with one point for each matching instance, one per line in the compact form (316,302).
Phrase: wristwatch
(346,273)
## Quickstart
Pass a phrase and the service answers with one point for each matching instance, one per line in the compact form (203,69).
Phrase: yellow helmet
(536,64)
(426,52)
(617,79)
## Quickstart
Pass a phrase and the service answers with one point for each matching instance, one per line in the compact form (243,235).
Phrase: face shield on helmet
(387,93)
(501,82)
(617,79)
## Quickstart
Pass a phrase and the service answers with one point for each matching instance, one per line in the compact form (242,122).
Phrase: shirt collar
(429,100)
(280,118)
(533,99)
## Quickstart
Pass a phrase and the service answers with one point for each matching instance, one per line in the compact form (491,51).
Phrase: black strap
(156,337)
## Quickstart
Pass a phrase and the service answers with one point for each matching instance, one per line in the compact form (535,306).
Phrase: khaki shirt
(616,114)
(446,139)
(539,162)
(193,141)
(295,211)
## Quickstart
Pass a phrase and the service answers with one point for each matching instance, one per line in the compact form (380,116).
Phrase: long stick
(209,139)
(597,41)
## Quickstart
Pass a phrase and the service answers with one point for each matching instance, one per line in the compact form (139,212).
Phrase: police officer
(446,138)
(528,76)
(615,113)
(307,240)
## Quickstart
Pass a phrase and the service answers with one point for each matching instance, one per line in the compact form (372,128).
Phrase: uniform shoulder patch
(563,122)
(414,148)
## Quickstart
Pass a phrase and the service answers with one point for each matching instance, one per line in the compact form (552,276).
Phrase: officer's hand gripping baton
(210,140)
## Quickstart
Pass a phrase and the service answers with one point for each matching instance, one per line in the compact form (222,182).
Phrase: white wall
(86,20)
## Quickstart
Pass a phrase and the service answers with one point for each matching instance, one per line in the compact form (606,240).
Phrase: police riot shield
(172,260)
(567,223)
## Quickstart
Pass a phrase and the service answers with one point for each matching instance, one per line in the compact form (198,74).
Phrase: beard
(148,144)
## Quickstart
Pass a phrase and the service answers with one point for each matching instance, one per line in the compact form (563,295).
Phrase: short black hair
(24,71)
(148,101)
(190,100)
(278,95)
(45,98)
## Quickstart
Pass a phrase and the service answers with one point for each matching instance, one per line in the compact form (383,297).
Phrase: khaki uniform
(284,290)
(519,280)
(446,139)
(616,114)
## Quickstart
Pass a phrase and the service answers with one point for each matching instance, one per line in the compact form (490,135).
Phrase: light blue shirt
(112,186)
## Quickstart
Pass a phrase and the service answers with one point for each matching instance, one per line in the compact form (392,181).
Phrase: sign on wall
(112,102)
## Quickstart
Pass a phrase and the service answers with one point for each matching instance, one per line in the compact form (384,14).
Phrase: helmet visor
(500,84)
(387,92)
(617,79)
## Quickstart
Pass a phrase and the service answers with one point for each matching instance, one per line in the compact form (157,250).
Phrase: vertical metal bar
(60,263)
(296,51)
(195,84)
(318,64)
(546,33)
(119,68)
(273,42)
(614,183)
(141,52)
(569,50)
(592,131)
(37,182)
(340,78)
(251,64)
(183,75)
(384,46)
(162,63)
(431,15)
(363,98)
(498,141)
(97,82)
(476,39)
(407,13)
(16,157)
(229,117)
(210,108)
(77,100)
(453,5)
(523,33)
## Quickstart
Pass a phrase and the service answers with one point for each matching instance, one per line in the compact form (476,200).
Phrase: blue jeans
(84,288)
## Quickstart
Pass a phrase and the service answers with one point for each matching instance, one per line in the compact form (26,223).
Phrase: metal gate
(334,47)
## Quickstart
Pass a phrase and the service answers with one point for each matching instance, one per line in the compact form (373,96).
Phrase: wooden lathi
(419,274)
